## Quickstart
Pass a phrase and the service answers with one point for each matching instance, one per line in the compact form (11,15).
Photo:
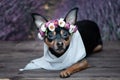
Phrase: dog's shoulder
(87,26)
(86,23)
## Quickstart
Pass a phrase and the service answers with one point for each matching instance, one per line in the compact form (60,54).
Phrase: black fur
(90,34)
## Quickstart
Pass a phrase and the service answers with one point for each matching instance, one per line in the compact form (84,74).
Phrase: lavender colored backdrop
(16,21)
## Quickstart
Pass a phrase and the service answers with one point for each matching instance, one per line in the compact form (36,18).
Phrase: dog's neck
(56,54)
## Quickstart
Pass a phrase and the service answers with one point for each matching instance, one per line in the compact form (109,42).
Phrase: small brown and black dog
(58,40)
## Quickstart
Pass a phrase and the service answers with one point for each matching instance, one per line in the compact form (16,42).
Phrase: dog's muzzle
(60,44)
(59,47)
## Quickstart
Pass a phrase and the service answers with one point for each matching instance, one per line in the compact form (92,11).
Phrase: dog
(57,35)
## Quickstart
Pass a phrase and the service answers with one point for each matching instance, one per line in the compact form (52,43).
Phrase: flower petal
(56,23)
(51,27)
(72,28)
(43,28)
(39,36)
(67,26)
(61,22)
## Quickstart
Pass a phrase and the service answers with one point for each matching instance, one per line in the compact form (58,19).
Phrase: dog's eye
(51,35)
(65,34)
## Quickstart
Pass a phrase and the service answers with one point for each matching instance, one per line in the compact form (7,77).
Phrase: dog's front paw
(65,74)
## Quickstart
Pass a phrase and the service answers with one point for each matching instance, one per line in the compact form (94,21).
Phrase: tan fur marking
(74,68)
(49,44)
(98,48)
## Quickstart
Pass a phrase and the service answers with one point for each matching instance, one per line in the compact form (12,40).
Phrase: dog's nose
(59,44)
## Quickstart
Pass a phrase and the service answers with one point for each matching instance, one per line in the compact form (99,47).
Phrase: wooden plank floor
(105,65)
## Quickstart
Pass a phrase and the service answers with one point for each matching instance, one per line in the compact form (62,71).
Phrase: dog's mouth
(60,50)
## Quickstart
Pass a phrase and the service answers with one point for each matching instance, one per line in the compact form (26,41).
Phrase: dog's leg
(74,68)
(98,48)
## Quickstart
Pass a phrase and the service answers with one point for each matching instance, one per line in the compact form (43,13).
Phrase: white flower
(61,22)
(39,36)
(72,27)
(43,28)
(51,27)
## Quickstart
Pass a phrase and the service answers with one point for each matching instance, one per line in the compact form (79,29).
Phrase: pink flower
(56,23)
(47,24)
(67,26)
(75,29)
(42,33)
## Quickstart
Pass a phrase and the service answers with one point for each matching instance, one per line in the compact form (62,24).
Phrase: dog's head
(57,33)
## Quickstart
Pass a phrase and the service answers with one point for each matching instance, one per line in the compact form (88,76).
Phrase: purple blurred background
(16,21)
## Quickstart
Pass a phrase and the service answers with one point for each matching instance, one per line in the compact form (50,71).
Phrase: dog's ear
(71,16)
(38,19)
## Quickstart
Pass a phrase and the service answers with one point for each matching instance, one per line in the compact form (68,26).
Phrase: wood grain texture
(105,65)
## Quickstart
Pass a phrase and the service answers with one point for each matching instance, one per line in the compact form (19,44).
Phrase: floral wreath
(52,24)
